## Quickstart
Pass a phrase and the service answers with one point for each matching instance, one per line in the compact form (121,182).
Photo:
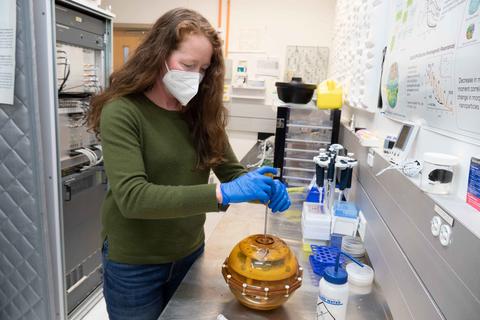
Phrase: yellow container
(329,95)
(262,272)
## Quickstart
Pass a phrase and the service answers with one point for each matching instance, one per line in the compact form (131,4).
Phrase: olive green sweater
(154,210)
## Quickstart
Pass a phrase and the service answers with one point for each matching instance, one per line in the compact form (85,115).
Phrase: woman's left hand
(279,200)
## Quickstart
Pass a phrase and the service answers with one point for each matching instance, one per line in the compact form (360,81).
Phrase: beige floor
(99,312)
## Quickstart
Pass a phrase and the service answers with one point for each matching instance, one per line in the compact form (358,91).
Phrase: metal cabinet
(83,62)
(83,195)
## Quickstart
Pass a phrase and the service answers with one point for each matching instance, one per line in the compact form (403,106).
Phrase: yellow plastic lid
(329,95)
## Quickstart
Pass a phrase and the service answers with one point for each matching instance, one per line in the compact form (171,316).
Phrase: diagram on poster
(431,70)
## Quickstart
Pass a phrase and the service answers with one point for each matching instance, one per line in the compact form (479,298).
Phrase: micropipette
(266,218)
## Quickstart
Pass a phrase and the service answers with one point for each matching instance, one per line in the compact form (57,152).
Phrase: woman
(162,127)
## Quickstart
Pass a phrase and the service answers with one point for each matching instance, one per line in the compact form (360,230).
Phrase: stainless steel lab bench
(204,294)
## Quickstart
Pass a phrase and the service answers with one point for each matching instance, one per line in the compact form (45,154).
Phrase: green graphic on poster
(470,31)
(392,85)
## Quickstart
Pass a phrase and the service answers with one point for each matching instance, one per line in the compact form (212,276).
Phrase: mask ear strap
(166,65)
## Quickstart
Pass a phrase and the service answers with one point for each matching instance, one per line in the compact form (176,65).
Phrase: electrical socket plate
(445,216)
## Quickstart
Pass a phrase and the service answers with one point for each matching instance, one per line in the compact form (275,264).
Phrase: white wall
(272,24)
(148,11)
(282,23)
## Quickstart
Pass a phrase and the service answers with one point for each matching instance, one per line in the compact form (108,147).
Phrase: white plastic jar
(360,279)
(437,172)
(333,295)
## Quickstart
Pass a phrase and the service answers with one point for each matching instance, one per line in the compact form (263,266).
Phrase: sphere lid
(264,248)
(265,258)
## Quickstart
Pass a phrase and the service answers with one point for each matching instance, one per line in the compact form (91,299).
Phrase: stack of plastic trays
(316,222)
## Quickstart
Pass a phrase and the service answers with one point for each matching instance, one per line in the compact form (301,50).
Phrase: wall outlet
(362,225)
(445,235)
(435,225)
(370,157)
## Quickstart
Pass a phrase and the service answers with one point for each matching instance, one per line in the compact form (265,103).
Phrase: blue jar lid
(336,277)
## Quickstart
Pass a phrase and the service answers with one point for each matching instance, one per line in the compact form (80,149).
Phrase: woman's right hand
(249,187)
(280,200)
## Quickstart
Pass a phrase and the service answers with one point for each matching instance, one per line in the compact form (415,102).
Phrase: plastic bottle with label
(333,292)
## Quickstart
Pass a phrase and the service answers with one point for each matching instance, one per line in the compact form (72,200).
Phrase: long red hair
(205,113)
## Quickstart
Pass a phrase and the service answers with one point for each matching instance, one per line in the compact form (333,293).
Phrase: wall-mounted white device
(404,143)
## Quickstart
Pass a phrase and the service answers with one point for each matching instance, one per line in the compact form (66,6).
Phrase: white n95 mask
(183,85)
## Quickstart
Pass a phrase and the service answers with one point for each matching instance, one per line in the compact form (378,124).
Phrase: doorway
(126,39)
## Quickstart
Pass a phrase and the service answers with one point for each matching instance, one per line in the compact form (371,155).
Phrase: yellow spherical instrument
(262,272)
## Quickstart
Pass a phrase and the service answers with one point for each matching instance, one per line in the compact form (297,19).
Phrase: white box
(316,221)
(345,226)
(316,213)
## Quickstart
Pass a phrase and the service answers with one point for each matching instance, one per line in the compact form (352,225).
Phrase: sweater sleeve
(231,168)
(135,196)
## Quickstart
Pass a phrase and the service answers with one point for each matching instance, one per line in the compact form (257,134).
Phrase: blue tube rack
(322,257)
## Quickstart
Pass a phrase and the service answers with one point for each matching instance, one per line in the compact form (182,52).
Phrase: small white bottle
(333,295)
(333,292)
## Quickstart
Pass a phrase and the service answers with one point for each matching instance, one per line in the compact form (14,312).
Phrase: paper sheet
(7,50)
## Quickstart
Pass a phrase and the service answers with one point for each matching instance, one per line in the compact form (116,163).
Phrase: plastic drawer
(310,116)
(298,196)
(317,133)
(298,173)
(306,127)
(303,144)
(298,163)
(323,136)
(306,154)
(296,182)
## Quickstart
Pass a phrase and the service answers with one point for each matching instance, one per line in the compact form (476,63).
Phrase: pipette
(266,211)
(266,219)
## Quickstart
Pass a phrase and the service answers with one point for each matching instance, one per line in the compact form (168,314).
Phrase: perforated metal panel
(23,275)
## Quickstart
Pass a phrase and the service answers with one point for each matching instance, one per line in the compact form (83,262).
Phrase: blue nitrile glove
(249,187)
(279,201)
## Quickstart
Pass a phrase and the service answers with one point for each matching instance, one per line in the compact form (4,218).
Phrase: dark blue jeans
(141,292)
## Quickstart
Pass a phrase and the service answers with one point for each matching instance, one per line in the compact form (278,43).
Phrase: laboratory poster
(473,191)
(432,71)
(7,50)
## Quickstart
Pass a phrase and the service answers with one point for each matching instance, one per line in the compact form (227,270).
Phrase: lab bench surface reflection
(204,294)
